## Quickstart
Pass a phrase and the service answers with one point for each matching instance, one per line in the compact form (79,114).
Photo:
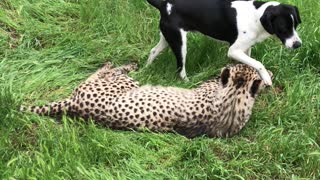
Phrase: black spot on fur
(258,4)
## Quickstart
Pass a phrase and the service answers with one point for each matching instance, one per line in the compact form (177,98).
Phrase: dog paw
(267,79)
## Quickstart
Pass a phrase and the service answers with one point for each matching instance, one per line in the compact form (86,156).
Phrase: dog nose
(296,45)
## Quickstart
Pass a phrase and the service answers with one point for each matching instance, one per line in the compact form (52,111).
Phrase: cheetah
(219,107)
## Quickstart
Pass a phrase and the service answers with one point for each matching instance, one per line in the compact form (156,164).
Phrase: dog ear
(225,74)
(296,15)
(255,87)
(266,20)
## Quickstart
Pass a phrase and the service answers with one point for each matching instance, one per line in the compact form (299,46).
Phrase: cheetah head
(243,77)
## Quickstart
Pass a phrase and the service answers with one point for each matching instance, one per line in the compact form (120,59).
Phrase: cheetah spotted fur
(218,108)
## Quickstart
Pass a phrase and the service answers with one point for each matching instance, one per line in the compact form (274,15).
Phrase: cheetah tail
(52,109)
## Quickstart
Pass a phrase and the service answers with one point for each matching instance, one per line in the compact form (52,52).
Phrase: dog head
(282,21)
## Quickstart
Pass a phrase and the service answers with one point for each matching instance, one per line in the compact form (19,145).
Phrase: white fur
(249,26)
(250,32)
(294,38)
(162,44)
(169,8)
(183,73)
(248,52)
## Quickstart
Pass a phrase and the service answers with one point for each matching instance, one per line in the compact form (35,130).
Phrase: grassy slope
(48,46)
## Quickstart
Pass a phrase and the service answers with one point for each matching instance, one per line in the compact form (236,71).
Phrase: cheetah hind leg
(108,71)
(125,69)
(119,71)
(101,73)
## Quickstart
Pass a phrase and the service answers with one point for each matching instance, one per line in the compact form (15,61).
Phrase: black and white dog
(241,23)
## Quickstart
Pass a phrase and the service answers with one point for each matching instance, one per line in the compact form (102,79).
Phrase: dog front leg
(248,52)
(239,55)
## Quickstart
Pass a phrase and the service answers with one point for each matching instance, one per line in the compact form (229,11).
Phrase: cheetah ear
(255,87)
(225,74)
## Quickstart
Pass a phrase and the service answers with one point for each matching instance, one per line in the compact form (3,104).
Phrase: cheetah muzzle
(218,108)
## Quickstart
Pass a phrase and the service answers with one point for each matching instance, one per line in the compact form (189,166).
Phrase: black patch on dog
(296,16)
(267,18)
(258,4)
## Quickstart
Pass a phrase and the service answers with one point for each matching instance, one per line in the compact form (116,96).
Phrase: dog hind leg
(177,40)
(183,73)
(162,44)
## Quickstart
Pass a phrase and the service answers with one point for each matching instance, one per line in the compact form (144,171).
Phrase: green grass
(47,47)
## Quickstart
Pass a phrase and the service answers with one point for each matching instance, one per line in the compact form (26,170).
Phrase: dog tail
(52,109)
(157,3)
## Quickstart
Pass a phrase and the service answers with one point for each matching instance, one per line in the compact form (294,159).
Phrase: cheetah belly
(155,108)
